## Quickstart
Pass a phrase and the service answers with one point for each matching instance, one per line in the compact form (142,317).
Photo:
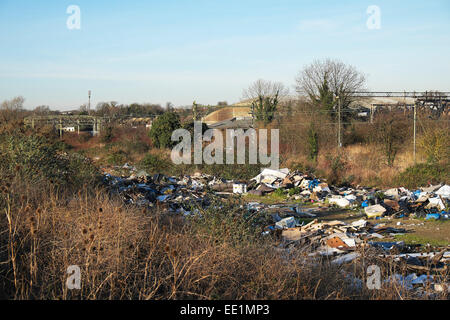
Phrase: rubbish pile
(331,238)
(178,195)
(344,243)
(340,241)
(430,202)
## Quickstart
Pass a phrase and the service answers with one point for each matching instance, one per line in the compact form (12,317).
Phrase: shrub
(279,192)
(435,144)
(313,143)
(34,159)
(355,135)
(302,167)
(224,222)
(338,166)
(154,163)
(117,157)
(82,170)
(294,191)
(423,174)
(107,135)
(162,128)
(137,147)
(390,133)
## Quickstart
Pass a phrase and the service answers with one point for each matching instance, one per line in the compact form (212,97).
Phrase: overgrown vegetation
(423,174)
(55,213)
(162,128)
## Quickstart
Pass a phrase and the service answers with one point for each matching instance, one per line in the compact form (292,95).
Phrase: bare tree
(11,109)
(265,97)
(42,110)
(15,104)
(264,88)
(322,79)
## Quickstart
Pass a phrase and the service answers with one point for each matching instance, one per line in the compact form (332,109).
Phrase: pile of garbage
(340,241)
(344,243)
(429,202)
(178,195)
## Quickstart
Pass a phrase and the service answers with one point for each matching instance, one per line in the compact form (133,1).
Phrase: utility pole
(60,127)
(415,116)
(89,103)
(339,122)
(253,115)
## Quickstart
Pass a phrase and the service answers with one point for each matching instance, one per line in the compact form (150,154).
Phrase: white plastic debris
(346,258)
(359,224)
(392,193)
(271,174)
(374,211)
(286,223)
(341,202)
(436,203)
(444,192)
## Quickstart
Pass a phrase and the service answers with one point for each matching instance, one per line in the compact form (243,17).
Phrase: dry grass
(125,252)
(368,167)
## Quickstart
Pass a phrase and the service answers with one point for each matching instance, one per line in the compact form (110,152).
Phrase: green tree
(325,99)
(264,108)
(313,142)
(321,79)
(162,128)
(195,111)
(265,97)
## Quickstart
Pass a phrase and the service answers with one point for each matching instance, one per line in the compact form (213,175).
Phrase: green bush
(279,192)
(82,170)
(294,191)
(225,222)
(107,135)
(435,145)
(137,147)
(338,166)
(117,157)
(313,143)
(423,174)
(302,167)
(34,159)
(154,164)
(162,128)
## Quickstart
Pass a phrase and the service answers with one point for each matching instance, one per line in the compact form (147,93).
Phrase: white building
(69,129)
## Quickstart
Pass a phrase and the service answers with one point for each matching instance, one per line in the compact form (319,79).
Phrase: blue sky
(209,51)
